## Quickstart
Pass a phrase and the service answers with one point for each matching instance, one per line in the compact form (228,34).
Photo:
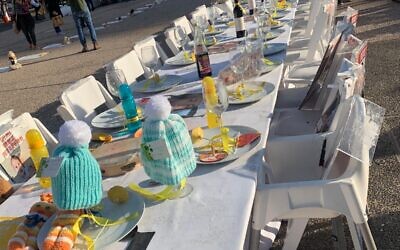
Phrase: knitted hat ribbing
(170,127)
(78,183)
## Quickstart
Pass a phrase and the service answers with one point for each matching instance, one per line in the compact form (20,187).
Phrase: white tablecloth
(216,214)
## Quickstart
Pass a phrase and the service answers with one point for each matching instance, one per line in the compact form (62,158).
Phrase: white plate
(179,60)
(233,131)
(281,24)
(111,118)
(149,86)
(279,15)
(213,33)
(274,48)
(110,210)
(273,34)
(263,88)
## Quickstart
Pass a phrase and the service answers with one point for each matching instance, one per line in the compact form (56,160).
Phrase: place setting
(220,143)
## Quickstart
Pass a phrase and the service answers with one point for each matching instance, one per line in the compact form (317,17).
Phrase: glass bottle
(238,13)
(133,122)
(201,53)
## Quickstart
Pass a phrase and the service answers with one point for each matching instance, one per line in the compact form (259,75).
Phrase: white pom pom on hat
(158,108)
(74,133)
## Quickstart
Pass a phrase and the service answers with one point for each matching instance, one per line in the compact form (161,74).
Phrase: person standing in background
(36,6)
(81,13)
(53,7)
(25,21)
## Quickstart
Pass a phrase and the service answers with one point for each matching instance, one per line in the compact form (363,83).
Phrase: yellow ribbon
(167,193)
(101,221)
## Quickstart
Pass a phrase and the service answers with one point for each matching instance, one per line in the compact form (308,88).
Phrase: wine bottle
(201,53)
(238,13)
(129,106)
(252,7)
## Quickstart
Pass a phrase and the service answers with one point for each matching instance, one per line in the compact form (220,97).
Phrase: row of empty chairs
(322,178)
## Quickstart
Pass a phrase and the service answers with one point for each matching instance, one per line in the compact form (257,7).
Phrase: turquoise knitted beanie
(78,183)
(161,125)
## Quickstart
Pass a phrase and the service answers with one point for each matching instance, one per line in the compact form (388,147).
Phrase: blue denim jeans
(84,16)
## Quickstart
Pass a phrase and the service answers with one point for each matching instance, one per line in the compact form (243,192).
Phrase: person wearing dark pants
(81,13)
(53,7)
(25,21)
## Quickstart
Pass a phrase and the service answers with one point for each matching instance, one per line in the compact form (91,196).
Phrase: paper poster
(14,151)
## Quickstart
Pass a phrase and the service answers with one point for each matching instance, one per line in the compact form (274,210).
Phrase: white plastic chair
(226,7)
(25,122)
(170,40)
(81,99)
(130,65)
(293,93)
(311,49)
(341,190)
(6,117)
(150,41)
(185,24)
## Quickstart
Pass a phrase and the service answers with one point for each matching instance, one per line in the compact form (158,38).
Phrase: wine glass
(263,27)
(212,15)
(114,78)
(150,58)
(215,97)
(181,37)
(202,22)
(240,61)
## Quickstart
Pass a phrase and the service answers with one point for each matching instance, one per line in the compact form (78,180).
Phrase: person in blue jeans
(81,14)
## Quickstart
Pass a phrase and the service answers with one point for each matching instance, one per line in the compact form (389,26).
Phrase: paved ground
(35,88)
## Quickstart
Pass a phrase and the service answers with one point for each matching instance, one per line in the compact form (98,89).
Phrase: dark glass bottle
(238,13)
(252,7)
(201,52)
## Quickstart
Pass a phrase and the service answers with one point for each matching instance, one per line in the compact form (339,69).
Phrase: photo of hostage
(24,170)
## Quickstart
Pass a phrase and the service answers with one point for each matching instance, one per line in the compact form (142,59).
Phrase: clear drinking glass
(240,61)
(217,103)
(150,57)
(181,37)
(114,78)
(263,27)
(212,15)
(202,22)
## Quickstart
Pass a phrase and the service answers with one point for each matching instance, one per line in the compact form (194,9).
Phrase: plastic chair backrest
(184,23)
(150,41)
(316,44)
(357,136)
(314,10)
(202,10)
(226,6)
(171,41)
(130,65)
(6,117)
(83,97)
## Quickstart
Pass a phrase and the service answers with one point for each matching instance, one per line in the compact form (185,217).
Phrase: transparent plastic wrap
(256,66)
(361,132)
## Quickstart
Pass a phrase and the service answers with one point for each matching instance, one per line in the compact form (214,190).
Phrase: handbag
(57,21)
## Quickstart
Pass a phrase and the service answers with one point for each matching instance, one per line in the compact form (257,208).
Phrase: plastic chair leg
(339,241)
(294,233)
(354,235)
(367,236)
(255,239)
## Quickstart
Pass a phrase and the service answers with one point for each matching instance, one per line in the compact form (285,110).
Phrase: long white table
(216,214)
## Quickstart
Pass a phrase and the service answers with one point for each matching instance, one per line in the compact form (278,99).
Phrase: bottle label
(204,64)
(239,23)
